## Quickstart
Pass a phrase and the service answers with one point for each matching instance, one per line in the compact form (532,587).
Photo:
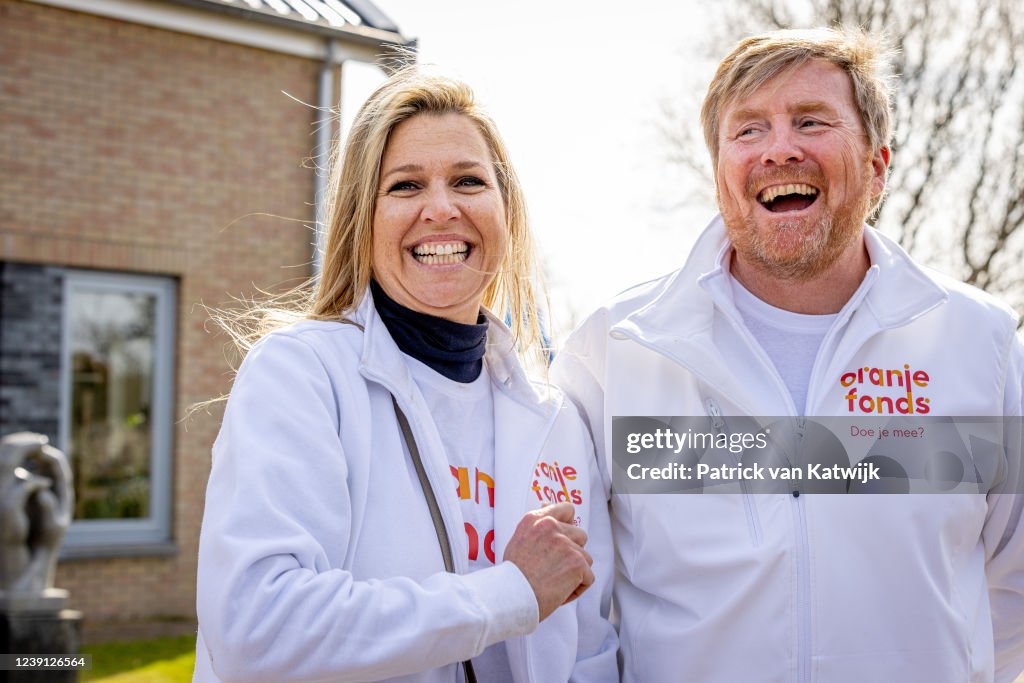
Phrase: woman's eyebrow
(406,168)
(463,165)
(414,168)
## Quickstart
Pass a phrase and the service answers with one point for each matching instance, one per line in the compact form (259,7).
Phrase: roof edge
(285,37)
(372,15)
(365,35)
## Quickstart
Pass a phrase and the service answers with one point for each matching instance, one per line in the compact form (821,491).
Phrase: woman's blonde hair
(349,211)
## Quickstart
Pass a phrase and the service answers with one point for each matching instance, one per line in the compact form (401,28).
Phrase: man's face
(796,177)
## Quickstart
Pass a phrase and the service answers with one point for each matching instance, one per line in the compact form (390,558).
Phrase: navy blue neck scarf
(455,350)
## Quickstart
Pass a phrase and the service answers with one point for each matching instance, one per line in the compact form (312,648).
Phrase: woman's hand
(549,552)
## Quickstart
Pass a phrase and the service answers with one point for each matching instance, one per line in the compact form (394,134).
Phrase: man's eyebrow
(746,113)
(814,107)
(811,107)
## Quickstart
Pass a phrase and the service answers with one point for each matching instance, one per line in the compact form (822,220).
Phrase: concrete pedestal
(39,633)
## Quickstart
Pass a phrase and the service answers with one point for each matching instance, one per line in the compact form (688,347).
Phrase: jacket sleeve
(1003,534)
(598,644)
(273,602)
(578,371)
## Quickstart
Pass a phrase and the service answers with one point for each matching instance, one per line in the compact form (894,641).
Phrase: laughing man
(785,301)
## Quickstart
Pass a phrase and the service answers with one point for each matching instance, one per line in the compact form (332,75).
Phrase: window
(116,398)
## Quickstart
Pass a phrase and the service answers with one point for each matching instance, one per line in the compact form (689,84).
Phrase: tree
(956,189)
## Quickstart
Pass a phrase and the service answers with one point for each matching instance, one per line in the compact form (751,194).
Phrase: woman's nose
(439,206)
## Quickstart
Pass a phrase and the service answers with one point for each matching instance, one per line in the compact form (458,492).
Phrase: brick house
(150,161)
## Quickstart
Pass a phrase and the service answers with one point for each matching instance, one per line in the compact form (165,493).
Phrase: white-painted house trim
(232,29)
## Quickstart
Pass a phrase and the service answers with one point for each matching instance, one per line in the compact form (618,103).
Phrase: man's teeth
(769,194)
(441,253)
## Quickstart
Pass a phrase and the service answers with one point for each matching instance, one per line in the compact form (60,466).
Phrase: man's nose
(439,206)
(782,147)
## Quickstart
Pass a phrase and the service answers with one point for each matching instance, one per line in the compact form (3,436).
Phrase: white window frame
(106,536)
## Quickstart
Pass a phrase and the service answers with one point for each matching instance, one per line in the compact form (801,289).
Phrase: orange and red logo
(552,484)
(882,391)
(468,489)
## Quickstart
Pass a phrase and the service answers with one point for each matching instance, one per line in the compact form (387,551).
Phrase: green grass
(162,660)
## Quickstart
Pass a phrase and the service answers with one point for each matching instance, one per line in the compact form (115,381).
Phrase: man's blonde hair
(758,59)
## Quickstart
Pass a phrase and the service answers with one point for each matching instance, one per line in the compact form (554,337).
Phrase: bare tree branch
(956,187)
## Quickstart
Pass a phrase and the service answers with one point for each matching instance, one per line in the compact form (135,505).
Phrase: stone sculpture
(36,502)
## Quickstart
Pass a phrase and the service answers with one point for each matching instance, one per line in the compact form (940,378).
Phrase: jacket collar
(895,289)
(518,434)
(680,320)
(382,361)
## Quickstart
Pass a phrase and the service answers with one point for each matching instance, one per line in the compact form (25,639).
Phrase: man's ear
(880,168)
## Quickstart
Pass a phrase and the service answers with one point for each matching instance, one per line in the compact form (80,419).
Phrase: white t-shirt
(464,415)
(791,340)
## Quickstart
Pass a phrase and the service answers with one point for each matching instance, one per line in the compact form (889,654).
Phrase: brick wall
(135,149)
(30,340)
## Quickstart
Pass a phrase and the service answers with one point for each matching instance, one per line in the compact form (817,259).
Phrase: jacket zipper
(749,506)
(713,411)
(803,569)
(803,552)
(803,592)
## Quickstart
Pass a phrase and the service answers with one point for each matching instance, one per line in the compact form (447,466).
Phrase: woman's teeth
(441,253)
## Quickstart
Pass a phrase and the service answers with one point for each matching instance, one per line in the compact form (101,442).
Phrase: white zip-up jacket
(318,559)
(780,588)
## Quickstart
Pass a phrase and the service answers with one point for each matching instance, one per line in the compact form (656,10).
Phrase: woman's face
(439,230)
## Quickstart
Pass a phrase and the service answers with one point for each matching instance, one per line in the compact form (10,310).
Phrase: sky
(578,91)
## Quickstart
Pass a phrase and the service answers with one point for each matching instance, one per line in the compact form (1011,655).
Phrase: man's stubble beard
(793,251)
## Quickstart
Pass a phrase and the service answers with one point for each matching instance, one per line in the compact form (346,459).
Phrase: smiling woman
(439,230)
(371,512)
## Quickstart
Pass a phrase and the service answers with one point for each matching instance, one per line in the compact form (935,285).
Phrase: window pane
(112,340)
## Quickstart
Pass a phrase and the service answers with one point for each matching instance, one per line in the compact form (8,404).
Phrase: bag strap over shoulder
(435,510)
(428,491)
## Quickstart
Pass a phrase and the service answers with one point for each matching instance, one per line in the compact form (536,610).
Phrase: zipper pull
(714,413)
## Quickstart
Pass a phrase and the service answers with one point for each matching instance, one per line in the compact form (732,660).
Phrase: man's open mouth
(791,197)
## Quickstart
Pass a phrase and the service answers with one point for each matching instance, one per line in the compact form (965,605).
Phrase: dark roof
(356,18)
